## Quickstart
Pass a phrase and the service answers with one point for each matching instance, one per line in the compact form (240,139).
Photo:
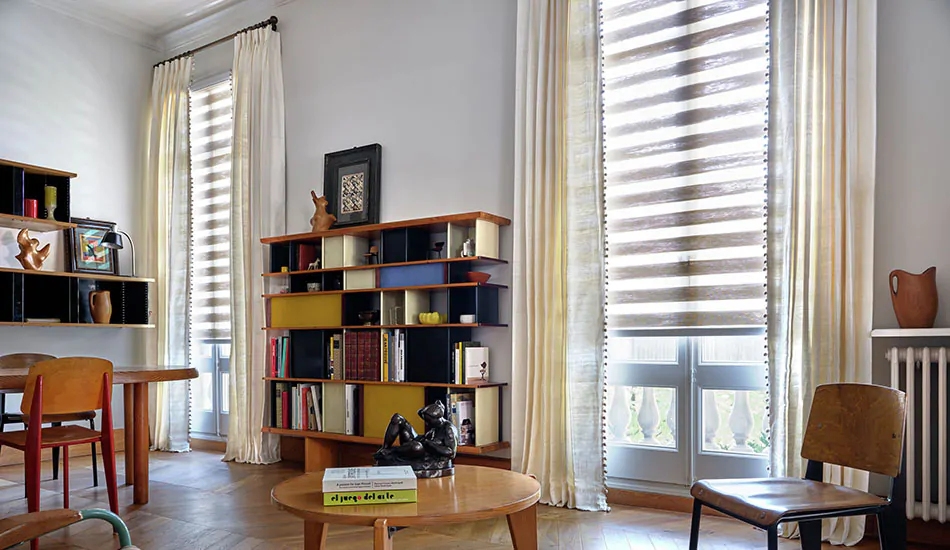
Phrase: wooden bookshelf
(53,294)
(402,282)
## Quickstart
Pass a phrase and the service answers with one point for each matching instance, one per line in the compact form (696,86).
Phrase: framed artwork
(351,185)
(86,253)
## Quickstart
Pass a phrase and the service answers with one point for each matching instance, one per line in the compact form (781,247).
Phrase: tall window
(686,112)
(209,276)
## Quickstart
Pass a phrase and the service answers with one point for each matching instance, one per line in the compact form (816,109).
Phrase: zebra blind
(685,120)
(210,301)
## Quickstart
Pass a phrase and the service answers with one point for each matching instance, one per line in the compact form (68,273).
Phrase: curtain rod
(272,21)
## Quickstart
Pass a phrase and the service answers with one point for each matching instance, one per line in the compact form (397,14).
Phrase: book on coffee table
(373,478)
(370,497)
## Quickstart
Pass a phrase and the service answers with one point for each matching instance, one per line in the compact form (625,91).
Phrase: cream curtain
(558,289)
(166,246)
(822,145)
(257,210)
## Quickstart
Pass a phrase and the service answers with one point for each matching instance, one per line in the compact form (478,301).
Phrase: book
(306,254)
(476,365)
(372,478)
(465,417)
(352,406)
(369,497)
(351,355)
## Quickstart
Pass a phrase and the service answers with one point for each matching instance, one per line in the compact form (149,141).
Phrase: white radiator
(932,433)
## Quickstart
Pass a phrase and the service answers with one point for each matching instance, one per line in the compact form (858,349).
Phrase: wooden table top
(472,494)
(15,379)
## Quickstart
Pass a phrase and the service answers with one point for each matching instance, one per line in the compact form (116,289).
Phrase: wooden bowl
(478,277)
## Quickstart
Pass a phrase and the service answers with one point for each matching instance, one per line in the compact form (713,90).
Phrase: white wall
(429,80)
(74,97)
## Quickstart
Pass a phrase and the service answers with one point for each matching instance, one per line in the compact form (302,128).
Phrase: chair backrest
(23,360)
(856,425)
(70,384)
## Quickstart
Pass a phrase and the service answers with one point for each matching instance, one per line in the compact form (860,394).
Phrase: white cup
(467,319)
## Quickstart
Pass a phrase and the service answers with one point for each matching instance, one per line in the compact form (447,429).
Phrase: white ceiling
(148,18)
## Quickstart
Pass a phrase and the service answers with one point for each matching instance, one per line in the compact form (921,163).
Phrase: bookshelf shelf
(37,225)
(72,325)
(381,383)
(95,276)
(330,371)
(477,260)
(376,441)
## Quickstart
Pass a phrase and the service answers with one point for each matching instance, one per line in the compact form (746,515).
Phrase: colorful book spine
(369,497)
(351,355)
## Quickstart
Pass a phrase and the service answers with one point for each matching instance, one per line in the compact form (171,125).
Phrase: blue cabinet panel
(411,275)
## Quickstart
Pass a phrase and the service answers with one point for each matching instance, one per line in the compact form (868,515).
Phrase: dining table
(134,380)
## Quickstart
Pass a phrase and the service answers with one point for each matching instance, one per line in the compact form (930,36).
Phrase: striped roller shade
(210,211)
(685,113)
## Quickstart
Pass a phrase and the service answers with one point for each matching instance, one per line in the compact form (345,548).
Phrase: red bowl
(478,277)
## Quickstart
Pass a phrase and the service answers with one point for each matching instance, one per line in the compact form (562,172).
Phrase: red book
(304,414)
(285,408)
(373,366)
(273,357)
(351,361)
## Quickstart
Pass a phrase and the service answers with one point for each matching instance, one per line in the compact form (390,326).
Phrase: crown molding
(117,24)
(216,25)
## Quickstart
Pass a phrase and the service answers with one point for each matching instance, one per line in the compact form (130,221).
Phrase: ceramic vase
(914,297)
(100,305)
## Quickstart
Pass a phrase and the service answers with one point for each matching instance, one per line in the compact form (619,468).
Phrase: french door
(682,408)
(212,359)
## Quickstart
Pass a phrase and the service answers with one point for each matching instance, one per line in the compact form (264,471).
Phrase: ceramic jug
(914,297)
(100,305)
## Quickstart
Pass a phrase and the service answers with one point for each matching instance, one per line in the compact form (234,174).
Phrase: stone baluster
(740,422)
(649,417)
(671,417)
(710,420)
(618,415)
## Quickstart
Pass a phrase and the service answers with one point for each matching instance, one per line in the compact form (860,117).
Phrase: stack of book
(280,357)
(469,363)
(462,409)
(362,349)
(372,485)
(299,406)
(394,355)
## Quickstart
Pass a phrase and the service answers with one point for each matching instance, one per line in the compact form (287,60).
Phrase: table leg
(314,535)
(524,528)
(382,540)
(129,434)
(140,445)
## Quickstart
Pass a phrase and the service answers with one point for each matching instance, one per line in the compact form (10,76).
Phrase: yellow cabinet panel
(306,311)
(381,402)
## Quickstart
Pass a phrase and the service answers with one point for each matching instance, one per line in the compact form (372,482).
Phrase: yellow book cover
(369,497)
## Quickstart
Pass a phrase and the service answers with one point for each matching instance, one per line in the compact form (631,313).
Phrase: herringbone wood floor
(198,502)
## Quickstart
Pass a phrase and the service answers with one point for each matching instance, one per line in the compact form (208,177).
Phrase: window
(209,275)
(685,120)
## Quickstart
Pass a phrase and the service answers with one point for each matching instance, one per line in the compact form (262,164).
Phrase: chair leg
(811,534)
(882,528)
(108,463)
(95,467)
(56,455)
(694,527)
(773,537)
(66,477)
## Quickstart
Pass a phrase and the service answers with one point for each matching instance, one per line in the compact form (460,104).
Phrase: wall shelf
(390,289)
(434,224)
(369,327)
(95,276)
(72,325)
(910,333)
(375,441)
(37,225)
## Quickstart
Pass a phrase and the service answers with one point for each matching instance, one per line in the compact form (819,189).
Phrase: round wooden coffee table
(472,494)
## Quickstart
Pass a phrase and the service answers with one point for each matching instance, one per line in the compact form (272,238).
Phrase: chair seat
(769,500)
(57,436)
(83,416)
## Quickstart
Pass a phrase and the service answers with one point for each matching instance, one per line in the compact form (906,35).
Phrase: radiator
(933,431)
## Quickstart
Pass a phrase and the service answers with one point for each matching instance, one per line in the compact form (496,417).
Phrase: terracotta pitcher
(100,304)
(914,297)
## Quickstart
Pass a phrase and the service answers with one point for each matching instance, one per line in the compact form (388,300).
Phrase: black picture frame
(77,236)
(342,167)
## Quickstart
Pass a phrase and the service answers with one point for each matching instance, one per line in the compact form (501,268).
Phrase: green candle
(50,201)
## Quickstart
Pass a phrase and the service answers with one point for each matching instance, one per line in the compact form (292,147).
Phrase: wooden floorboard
(199,502)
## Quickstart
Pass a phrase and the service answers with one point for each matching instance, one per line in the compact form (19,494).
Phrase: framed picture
(351,185)
(86,253)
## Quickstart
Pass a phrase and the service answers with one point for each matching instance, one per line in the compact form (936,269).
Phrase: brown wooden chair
(65,386)
(860,426)
(26,360)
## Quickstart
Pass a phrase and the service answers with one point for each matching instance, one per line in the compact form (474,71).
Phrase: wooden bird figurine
(321,220)
(31,256)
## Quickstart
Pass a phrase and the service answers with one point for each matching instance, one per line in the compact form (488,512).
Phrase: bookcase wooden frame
(404,256)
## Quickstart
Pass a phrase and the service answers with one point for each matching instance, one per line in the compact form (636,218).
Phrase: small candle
(50,201)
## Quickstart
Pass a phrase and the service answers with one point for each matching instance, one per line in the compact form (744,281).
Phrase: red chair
(65,386)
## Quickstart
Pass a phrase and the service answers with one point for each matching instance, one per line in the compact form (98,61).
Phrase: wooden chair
(25,360)
(65,386)
(19,529)
(860,426)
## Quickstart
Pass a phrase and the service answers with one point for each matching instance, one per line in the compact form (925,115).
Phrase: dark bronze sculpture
(430,454)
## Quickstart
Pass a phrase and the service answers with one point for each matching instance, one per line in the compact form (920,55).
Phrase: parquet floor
(198,502)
